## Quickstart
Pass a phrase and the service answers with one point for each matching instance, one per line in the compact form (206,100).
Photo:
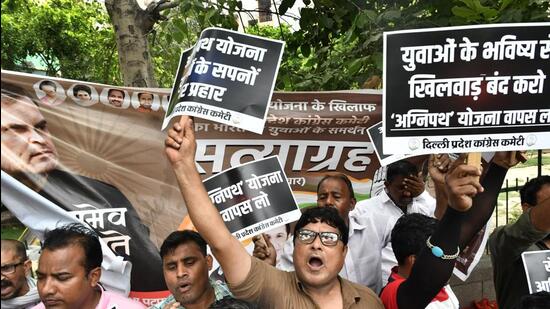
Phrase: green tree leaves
(72,38)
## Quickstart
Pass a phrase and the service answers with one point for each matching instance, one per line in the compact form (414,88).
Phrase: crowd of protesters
(394,250)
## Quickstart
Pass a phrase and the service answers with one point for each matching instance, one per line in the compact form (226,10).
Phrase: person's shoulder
(388,296)
(96,184)
(115,300)
(363,290)
(365,295)
(370,200)
(523,222)
(369,205)
(372,211)
(498,230)
(260,269)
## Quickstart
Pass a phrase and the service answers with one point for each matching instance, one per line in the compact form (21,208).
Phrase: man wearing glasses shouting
(18,288)
(320,248)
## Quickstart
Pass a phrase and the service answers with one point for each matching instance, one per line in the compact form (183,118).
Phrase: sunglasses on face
(329,239)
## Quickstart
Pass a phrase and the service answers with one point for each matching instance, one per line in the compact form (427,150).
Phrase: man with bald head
(18,287)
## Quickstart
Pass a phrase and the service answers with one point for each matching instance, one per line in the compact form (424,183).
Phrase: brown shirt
(272,288)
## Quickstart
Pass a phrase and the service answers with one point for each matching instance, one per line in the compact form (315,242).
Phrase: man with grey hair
(30,156)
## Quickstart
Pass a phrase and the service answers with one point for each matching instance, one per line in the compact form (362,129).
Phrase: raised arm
(180,147)
(430,273)
(485,202)
(438,165)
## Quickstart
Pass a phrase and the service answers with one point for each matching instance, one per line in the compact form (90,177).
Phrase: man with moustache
(69,272)
(18,287)
(185,264)
(30,156)
(115,97)
(366,240)
(320,236)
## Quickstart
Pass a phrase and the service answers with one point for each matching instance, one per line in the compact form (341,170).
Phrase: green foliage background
(71,38)
(338,46)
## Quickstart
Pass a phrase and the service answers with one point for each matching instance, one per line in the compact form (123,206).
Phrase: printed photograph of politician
(83,95)
(30,155)
(49,92)
(145,101)
(116,98)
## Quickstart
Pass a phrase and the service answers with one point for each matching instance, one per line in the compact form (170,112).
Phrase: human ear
(94,275)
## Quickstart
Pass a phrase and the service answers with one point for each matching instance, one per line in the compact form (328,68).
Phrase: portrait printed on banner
(49,92)
(116,98)
(83,95)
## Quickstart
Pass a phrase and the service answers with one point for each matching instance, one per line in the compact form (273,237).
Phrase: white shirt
(449,303)
(367,238)
(381,207)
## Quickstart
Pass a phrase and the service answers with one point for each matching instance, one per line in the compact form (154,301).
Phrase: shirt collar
(349,293)
(386,199)
(220,291)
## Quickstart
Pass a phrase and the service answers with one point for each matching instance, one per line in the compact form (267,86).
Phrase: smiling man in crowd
(116,97)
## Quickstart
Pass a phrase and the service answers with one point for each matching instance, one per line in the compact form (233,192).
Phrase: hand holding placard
(462,184)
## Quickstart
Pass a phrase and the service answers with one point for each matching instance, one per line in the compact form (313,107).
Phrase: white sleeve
(285,262)
(425,204)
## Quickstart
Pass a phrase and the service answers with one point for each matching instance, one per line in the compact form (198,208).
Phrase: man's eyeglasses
(327,238)
(10,268)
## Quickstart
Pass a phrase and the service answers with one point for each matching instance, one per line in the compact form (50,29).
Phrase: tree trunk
(131,25)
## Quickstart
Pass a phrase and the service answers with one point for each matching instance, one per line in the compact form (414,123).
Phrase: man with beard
(18,287)
(30,156)
(531,232)
(185,265)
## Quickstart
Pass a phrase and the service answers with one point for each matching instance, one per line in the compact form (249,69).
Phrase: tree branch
(152,12)
(157,7)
